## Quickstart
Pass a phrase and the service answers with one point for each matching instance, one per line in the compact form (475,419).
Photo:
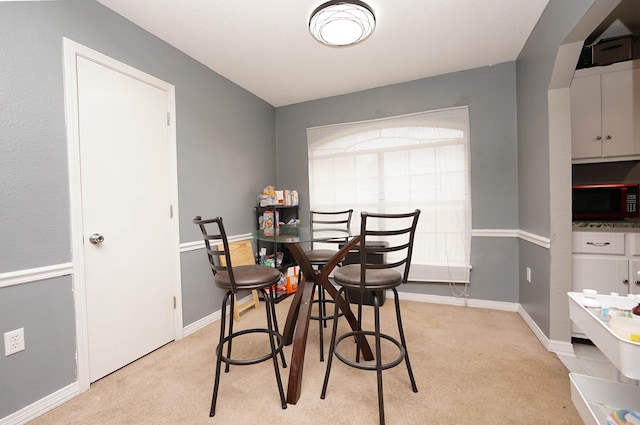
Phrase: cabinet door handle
(599,243)
(608,137)
(598,138)
(625,282)
(637,282)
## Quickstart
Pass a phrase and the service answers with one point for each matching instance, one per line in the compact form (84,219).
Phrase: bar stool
(232,279)
(398,230)
(320,257)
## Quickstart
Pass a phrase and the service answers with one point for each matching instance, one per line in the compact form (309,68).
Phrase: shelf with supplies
(597,400)
(277,254)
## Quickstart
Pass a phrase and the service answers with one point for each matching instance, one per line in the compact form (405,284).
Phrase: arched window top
(387,139)
(405,132)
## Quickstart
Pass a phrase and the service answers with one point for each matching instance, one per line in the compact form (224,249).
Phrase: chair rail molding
(35,274)
(513,233)
(483,233)
(195,245)
(65,269)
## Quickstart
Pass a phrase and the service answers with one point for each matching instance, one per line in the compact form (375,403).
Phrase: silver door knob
(96,238)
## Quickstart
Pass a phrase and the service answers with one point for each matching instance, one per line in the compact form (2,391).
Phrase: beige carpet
(472,366)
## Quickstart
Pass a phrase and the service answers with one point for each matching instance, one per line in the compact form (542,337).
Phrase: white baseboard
(462,302)
(65,394)
(207,320)
(197,325)
(42,406)
(560,348)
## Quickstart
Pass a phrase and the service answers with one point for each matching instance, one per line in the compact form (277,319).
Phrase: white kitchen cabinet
(632,247)
(605,274)
(607,262)
(600,262)
(599,243)
(605,107)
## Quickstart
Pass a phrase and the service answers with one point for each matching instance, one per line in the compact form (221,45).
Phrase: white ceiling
(265,47)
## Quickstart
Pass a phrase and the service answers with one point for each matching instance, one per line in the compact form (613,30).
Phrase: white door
(125,190)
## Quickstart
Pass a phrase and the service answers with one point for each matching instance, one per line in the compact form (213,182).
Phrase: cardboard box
(280,197)
(270,220)
(612,50)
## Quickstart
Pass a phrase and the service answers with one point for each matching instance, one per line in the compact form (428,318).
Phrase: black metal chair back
(330,219)
(320,257)
(398,231)
(217,247)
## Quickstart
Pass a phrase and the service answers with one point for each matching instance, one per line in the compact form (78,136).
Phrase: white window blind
(397,165)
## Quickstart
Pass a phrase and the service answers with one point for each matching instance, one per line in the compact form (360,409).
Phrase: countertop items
(612,225)
(624,417)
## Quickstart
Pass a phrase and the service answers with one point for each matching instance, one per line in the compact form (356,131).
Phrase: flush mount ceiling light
(342,23)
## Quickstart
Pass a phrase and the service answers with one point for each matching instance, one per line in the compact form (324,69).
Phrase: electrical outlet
(529,274)
(13,341)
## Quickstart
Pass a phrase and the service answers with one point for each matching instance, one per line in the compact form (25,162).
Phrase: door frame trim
(71,51)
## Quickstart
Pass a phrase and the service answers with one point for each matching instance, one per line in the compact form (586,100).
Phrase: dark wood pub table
(297,325)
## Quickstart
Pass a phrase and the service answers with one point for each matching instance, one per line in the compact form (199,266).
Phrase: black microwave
(605,201)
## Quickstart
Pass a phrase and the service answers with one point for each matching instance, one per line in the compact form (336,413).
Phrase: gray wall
(45,311)
(490,94)
(222,130)
(535,67)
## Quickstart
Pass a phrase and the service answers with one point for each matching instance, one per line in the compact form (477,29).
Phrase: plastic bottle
(591,303)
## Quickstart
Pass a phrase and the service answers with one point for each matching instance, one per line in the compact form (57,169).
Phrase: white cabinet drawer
(633,244)
(598,243)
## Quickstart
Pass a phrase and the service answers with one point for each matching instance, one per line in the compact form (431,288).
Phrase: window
(396,165)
